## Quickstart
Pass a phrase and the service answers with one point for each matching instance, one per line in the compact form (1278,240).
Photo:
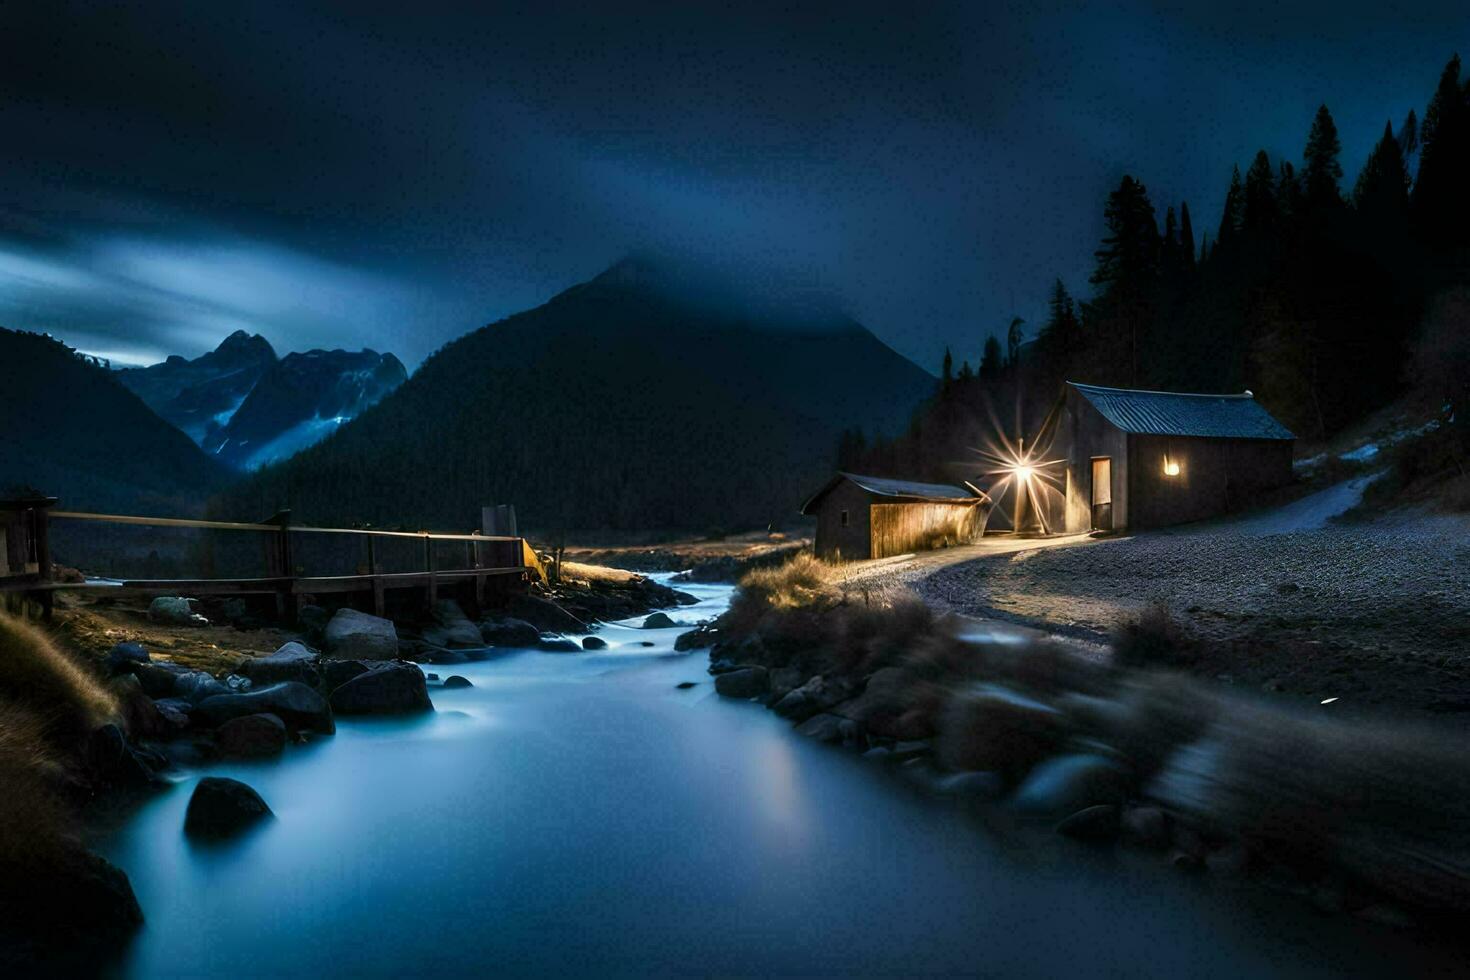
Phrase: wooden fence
(26,564)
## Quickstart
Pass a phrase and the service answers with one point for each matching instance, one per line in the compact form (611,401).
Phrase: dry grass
(94,625)
(34,821)
(802,581)
(70,700)
(596,574)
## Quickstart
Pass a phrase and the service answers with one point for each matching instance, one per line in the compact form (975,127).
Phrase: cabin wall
(901,528)
(835,541)
(1078,434)
(1215,476)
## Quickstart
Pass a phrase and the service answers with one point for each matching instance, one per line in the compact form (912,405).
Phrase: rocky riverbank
(1363,818)
(185,683)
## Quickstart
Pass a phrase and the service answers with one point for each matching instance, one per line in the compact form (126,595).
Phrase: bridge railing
(289,558)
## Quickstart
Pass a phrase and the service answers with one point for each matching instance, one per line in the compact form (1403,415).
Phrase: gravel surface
(1373,613)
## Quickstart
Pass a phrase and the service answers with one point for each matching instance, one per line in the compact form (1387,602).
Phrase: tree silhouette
(1321,170)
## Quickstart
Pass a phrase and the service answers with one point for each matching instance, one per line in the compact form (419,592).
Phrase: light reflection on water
(575,814)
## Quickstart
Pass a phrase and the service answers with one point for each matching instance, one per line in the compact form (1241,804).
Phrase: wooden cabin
(1142,459)
(862,517)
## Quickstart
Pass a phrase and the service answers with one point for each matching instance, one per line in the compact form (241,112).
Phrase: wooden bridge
(471,564)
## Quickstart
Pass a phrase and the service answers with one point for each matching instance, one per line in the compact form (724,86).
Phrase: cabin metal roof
(1171,413)
(901,490)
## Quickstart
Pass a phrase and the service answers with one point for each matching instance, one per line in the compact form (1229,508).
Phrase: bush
(68,698)
(1151,639)
(33,818)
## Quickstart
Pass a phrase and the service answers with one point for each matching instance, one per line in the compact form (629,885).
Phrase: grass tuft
(69,699)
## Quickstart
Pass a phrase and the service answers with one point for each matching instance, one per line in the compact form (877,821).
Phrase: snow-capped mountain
(247,408)
(300,401)
(195,395)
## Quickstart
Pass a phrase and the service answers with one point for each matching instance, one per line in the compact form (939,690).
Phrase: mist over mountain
(652,396)
(299,401)
(246,407)
(74,431)
(196,395)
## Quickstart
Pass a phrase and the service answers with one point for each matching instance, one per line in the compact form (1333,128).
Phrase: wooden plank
(72,515)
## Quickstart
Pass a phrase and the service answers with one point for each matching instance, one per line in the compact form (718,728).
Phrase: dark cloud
(391,176)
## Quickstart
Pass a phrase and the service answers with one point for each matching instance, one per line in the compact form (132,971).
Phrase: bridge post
(372,549)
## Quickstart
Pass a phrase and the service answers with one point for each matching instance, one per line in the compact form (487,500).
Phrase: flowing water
(577,814)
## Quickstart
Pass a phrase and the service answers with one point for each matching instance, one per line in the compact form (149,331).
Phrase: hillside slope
(645,398)
(200,395)
(69,428)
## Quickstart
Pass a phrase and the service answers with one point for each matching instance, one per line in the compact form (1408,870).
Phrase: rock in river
(292,662)
(353,635)
(452,628)
(294,703)
(456,680)
(1070,783)
(223,807)
(174,611)
(252,737)
(659,621)
(509,632)
(123,656)
(558,644)
(390,688)
(743,682)
(593,643)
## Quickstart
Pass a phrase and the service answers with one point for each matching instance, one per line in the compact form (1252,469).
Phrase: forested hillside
(648,398)
(72,430)
(1326,298)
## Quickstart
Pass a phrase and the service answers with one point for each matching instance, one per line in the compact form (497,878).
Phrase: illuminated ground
(1371,613)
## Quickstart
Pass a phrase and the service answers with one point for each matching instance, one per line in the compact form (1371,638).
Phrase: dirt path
(1369,613)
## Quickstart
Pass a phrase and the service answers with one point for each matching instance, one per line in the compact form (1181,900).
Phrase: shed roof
(901,490)
(1171,413)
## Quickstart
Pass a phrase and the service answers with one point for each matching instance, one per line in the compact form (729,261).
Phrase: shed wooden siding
(1080,435)
(900,528)
(1215,476)
(835,541)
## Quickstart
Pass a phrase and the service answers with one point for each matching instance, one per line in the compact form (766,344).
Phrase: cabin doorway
(1102,493)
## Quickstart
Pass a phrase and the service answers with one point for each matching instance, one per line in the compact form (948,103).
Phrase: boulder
(509,632)
(685,685)
(123,657)
(175,714)
(992,729)
(743,682)
(558,644)
(292,662)
(115,764)
(237,683)
(659,621)
(544,614)
(222,807)
(297,705)
(196,685)
(1093,823)
(685,599)
(1145,826)
(312,621)
(454,681)
(67,914)
(252,737)
(335,673)
(353,635)
(390,688)
(784,680)
(816,695)
(452,628)
(971,787)
(1069,783)
(887,696)
(823,728)
(174,610)
(158,679)
(593,643)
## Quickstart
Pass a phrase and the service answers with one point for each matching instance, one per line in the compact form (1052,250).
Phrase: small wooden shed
(1128,458)
(872,517)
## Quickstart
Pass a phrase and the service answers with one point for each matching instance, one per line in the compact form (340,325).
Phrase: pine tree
(1288,194)
(1127,270)
(1383,185)
(991,364)
(1259,215)
(1233,214)
(967,373)
(1186,235)
(1408,138)
(946,373)
(1321,170)
(1441,196)
(1013,342)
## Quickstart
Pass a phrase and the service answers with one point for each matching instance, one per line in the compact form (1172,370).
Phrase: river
(577,814)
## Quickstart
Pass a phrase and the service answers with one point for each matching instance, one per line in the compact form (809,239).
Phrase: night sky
(372,176)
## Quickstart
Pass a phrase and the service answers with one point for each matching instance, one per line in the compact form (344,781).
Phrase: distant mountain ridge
(71,429)
(644,398)
(248,408)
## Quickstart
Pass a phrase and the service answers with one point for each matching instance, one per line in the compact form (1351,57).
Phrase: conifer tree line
(1307,291)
